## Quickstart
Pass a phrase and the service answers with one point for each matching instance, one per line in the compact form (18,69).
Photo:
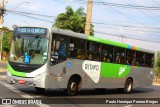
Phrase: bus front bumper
(26,81)
(20,81)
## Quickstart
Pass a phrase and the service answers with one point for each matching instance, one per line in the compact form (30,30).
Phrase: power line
(128,6)
(129,29)
(22,13)
(95,31)
(31,14)
(120,13)
(126,15)
(92,21)
(23,20)
(125,25)
(126,37)
(27,13)
(121,22)
(156,2)
(115,5)
(32,17)
(157,17)
(55,16)
(77,1)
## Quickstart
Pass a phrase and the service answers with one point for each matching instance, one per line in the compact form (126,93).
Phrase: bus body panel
(142,76)
(76,67)
(57,76)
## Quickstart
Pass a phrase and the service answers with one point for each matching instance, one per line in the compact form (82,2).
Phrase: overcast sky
(141,24)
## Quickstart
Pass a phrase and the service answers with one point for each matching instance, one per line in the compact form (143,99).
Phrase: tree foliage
(158,59)
(73,20)
(6,40)
(158,64)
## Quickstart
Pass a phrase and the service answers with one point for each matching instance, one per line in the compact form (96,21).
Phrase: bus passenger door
(58,57)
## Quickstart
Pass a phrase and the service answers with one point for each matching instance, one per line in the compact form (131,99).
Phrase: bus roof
(100,40)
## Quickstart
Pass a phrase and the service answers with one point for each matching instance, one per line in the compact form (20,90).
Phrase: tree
(158,59)
(157,64)
(6,40)
(72,20)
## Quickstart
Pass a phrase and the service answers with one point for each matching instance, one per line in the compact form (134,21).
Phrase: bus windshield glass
(29,49)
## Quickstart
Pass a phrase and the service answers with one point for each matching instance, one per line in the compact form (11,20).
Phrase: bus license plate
(21,82)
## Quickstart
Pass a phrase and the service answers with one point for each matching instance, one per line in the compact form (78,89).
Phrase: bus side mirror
(51,61)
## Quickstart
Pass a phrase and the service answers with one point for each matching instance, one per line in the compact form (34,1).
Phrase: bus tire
(120,89)
(72,88)
(100,89)
(128,86)
(39,89)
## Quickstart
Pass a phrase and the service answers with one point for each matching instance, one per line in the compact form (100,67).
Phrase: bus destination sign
(30,30)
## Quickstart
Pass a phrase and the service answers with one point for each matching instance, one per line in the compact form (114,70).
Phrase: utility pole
(88,18)
(1,21)
(1,13)
(123,37)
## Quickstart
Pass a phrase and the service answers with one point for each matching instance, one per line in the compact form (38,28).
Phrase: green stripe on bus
(119,71)
(16,73)
(105,41)
(109,42)
(137,48)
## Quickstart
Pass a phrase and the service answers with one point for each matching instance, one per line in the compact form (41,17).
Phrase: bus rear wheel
(72,88)
(128,86)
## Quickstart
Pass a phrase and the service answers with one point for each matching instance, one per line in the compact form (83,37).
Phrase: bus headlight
(40,76)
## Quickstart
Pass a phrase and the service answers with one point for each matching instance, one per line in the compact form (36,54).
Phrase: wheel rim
(129,87)
(73,86)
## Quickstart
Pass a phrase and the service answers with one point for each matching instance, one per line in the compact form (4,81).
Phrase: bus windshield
(29,49)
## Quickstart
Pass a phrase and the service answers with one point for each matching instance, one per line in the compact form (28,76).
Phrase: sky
(139,27)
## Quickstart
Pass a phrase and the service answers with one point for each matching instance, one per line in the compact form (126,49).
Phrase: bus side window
(89,56)
(93,51)
(131,57)
(152,61)
(119,55)
(54,54)
(106,53)
(134,62)
(62,50)
(140,58)
(134,58)
(77,48)
(58,48)
(118,60)
(149,60)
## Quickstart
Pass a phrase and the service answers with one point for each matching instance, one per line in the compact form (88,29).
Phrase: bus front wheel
(128,86)
(72,88)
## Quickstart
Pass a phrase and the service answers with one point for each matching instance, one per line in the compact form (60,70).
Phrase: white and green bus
(55,58)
